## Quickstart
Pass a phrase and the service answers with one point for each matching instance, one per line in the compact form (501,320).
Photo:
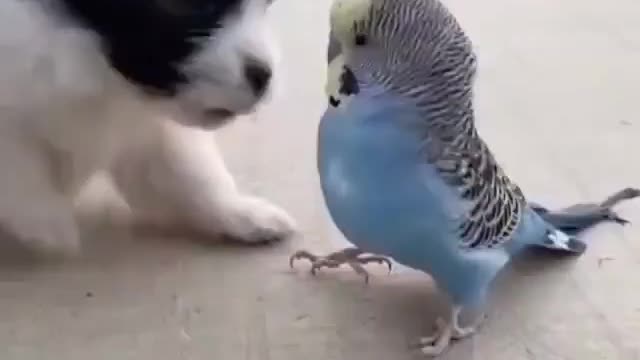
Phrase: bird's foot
(353,257)
(579,217)
(611,201)
(624,194)
(447,331)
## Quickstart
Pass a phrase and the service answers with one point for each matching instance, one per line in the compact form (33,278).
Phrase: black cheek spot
(348,82)
(333,101)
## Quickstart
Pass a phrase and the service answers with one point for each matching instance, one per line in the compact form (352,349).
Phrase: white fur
(217,71)
(65,114)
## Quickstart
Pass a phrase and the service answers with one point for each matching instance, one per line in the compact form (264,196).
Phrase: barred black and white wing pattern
(442,89)
(437,77)
(462,157)
(496,202)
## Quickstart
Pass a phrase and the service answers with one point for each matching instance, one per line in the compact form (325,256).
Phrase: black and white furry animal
(130,87)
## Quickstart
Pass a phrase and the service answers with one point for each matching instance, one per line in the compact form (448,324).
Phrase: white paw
(255,220)
(52,234)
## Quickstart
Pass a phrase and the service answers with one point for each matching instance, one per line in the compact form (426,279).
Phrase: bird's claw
(429,340)
(302,254)
(323,262)
(317,262)
(624,194)
(613,216)
(435,344)
(376,259)
(445,332)
(349,256)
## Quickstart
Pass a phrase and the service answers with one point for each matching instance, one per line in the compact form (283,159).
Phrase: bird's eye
(361,39)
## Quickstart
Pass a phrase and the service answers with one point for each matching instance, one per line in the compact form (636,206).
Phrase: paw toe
(259,222)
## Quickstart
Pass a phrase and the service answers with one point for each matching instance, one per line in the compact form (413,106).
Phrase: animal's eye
(361,39)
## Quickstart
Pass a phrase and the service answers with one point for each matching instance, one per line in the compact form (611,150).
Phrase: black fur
(146,40)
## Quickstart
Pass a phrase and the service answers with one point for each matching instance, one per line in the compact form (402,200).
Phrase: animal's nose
(258,75)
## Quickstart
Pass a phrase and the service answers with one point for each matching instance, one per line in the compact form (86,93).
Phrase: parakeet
(403,170)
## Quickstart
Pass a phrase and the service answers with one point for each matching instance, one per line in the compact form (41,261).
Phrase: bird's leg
(463,332)
(446,331)
(436,344)
(351,256)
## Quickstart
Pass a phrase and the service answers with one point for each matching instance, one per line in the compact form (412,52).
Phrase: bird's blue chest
(372,180)
(358,191)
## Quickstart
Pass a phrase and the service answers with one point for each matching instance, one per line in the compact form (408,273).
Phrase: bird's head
(411,49)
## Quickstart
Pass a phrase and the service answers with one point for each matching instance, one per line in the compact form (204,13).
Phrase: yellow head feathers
(344,13)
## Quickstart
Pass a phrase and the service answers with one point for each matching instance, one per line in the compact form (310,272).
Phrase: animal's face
(209,59)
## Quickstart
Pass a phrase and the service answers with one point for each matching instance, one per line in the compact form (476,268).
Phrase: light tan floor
(557,101)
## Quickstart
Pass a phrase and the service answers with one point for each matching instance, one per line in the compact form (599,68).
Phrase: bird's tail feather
(574,219)
(558,240)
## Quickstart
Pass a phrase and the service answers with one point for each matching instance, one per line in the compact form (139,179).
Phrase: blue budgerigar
(403,169)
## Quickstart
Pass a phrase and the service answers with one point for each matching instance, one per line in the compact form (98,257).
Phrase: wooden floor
(557,98)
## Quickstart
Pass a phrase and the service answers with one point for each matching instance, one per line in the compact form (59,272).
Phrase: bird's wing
(496,203)
(444,97)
